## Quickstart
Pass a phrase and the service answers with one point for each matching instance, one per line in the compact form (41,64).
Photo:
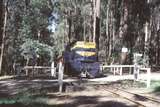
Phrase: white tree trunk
(94,20)
(107,18)
(3,35)
(146,44)
(96,4)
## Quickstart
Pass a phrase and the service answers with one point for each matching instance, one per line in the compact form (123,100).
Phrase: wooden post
(135,72)
(130,70)
(120,71)
(26,72)
(60,76)
(148,77)
(101,69)
(53,71)
(114,70)
(138,69)
(32,71)
(111,69)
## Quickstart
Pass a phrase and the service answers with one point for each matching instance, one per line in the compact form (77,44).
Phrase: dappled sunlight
(79,53)
(39,92)
(64,100)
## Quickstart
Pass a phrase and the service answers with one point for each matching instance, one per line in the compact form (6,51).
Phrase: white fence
(53,72)
(119,69)
(114,68)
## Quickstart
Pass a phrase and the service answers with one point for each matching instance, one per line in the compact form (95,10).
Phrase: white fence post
(120,71)
(136,72)
(114,70)
(148,77)
(53,70)
(130,70)
(60,76)
(148,81)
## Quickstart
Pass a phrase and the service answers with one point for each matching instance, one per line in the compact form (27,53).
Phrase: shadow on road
(79,101)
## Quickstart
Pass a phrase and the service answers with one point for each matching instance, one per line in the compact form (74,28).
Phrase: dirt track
(43,93)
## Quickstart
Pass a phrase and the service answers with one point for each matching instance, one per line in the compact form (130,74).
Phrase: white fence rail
(53,72)
(148,76)
(117,68)
(114,69)
(137,68)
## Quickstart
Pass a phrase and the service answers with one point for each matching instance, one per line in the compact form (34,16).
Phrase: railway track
(137,99)
(146,97)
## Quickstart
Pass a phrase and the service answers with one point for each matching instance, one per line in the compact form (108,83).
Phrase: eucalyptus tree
(1,19)
(26,20)
(3,33)
(153,42)
(35,35)
(74,20)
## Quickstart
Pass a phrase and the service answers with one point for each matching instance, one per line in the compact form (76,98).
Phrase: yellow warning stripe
(85,45)
(85,53)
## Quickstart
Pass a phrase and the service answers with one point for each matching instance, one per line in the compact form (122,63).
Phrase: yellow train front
(80,58)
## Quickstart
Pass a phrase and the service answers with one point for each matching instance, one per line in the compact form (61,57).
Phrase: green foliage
(79,13)
(31,49)
(145,61)
(27,34)
(155,85)
(60,38)
(138,60)
(34,32)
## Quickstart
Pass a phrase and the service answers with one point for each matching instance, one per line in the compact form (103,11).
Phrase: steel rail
(146,97)
(119,95)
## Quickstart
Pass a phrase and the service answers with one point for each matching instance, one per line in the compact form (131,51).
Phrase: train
(81,59)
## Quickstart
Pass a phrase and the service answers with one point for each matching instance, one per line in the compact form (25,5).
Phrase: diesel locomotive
(81,59)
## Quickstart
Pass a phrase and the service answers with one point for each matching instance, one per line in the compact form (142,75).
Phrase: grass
(25,99)
(155,85)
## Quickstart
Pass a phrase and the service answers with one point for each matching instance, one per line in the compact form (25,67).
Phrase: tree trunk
(3,35)
(1,20)
(158,47)
(91,21)
(84,29)
(146,44)
(70,26)
(109,36)
(107,32)
(107,18)
(96,22)
(146,41)
(27,64)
